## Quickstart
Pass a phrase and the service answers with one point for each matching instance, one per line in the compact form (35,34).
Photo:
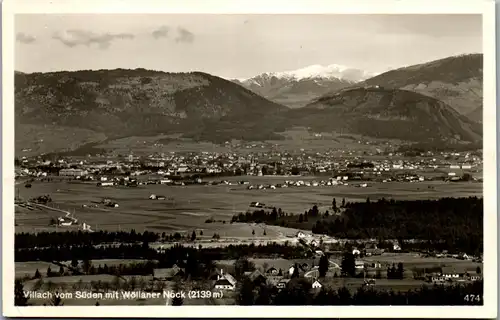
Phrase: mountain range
(121,103)
(407,104)
(455,80)
(297,88)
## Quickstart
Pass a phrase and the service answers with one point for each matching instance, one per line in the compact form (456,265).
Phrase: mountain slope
(121,103)
(476,115)
(389,114)
(457,81)
(298,87)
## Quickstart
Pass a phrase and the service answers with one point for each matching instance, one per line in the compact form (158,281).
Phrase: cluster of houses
(454,274)
(256,163)
(279,278)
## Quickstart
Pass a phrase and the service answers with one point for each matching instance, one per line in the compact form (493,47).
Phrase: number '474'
(472,298)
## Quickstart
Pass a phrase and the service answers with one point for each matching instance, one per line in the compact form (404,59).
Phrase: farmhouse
(282,283)
(105,184)
(165,274)
(225,281)
(450,273)
(73,172)
(317,285)
(256,277)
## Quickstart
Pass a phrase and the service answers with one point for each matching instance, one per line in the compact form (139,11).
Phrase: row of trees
(166,257)
(299,292)
(46,239)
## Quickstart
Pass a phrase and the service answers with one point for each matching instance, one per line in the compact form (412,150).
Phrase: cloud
(74,37)
(161,32)
(184,35)
(25,38)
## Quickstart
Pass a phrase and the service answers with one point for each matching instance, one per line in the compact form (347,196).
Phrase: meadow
(186,208)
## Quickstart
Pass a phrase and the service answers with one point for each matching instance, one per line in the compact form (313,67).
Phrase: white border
(486,8)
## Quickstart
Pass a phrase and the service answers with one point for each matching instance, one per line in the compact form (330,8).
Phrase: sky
(239,46)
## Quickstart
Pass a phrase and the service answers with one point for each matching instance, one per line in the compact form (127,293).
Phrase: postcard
(260,158)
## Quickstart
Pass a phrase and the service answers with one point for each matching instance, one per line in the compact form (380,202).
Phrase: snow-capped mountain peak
(322,72)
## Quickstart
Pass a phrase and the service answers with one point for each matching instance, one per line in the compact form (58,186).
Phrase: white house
(449,273)
(317,285)
(225,281)
(301,234)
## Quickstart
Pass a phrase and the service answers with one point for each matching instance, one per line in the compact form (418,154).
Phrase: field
(186,208)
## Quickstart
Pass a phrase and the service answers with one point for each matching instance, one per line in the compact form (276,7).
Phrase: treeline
(167,256)
(299,292)
(77,238)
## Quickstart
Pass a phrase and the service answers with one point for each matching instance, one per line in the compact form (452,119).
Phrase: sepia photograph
(180,156)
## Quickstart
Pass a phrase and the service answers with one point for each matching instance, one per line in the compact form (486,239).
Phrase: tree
(192,265)
(97,303)
(61,271)
(86,264)
(264,232)
(246,294)
(243,265)
(193,236)
(201,232)
(327,214)
(348,264)
(400,271)
(177,300)
(56,300)
(334,205)
(37,274)
(19,297)
(295,273)
(301,218)
(253,232)
(343,202)
(74,263)
(133,283)
(49,272)
(478,270)
(265,266)
(314,211)
(323,266)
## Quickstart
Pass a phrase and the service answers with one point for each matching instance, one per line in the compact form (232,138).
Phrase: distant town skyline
(240,46)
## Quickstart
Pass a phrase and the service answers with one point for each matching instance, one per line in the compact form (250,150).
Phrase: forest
(453,224)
